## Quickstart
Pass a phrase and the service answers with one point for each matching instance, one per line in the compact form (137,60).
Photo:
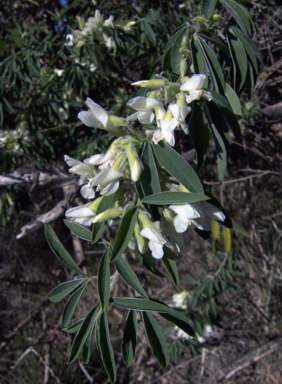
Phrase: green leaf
(98,228)
(156,339)
(71,305)
(106,348)
(75,327)
(240,230)
(129,276)
(250,81)
(239,13)
(79,230)
(214,66)
(149,32)
(216,40)
(190,279)
(208,7)
(61,253)
(148,262)
(239,60)
(199,133)
(171,56)
(250,42)
(165,198)
(129,341)
(62,290)
(104,279)
(199,61)
(247,46)
(180,320)
(178,167)
(227,112)
(125,233)
(140,305)
(233,100)
(170,264)
(82,334)
(149,182)
(86,349)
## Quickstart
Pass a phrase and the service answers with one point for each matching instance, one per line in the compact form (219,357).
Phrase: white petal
(109,189)
(175,110)
(87,192)
(194,95)
(89,119)
(133,117)
(207,95)
(157,250)
(141,103)
(81,211)
(99,112)
(107,176)
(146,117)
(71,161)
(101,158)
(180,224)
(85,221)
(185,210)
(150,235)
(196,82)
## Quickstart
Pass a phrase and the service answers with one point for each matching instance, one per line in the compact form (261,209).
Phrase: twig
(89,378)
(253,357)
(241,178)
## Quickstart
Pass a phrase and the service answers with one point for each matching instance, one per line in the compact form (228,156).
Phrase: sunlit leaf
(165,198)
(79,230)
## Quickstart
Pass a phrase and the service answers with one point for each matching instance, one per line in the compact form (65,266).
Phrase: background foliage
(30,53)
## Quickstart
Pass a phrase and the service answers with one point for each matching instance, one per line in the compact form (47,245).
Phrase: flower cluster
(95,28)
(162,111)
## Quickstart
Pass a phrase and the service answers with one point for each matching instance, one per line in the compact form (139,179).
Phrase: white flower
(194,86)
(101,158)
(69,39)
(144,106)
(97,117)
(179,115)
(185,213)
(109,22)
(107,181)
(209,212)
(165,132)
(156,239)
(81,214)
(84,170)
(180,299)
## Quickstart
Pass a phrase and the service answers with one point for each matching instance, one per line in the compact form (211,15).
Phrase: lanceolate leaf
(129,276)
(148,262)
(233,100)
(82,334)
(239,13)
(125,233)
(170,264)
(79,230)
(129,338)
(180,320)
(199,133)
(208,7)
(178,167)
(71,305)
(62,290)
(98,228)
(247,46)
(199,61)
(164,198)
(86,349)
(106,348)
(214,39)
(156,339)
(75,327)
(214,66)
(149,182)
(239,60)
(104,280)
(140,305)
(61,253)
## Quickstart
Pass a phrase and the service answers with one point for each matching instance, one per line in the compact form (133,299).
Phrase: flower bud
(183,67)
(227,240)
(154,83)
(80,44)
(107,215)
(142,243)
(135,164)
(81,22)
(201,23)
(143,217)
(185,43)
(215,230)
(216,17)
(94,206)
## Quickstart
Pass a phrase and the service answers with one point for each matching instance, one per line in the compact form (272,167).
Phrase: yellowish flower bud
(143,217)
(81,22)
(117,121)
(94,206)
(185,43)
(142,243)
(201,23)
(183,67)
(227,240)
(134,162)
(154,83)
(216,17)
(80,44)
(107,215)
(215,230)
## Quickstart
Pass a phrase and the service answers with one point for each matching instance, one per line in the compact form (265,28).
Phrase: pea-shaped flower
(144,106)
(194,86)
